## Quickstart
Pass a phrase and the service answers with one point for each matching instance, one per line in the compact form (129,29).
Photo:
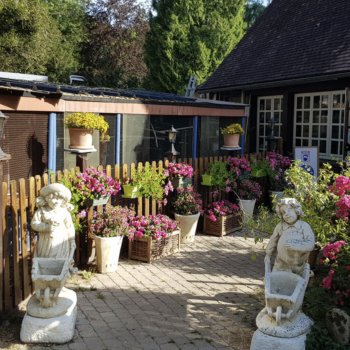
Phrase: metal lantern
(272,128)
(3,120)
(172,134)
(172,153)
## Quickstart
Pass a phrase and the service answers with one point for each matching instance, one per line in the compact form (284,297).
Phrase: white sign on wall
(309,158)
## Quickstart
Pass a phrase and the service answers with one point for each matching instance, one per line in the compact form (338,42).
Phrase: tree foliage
(114,54)
(190,37)
(31,41)
(253,10)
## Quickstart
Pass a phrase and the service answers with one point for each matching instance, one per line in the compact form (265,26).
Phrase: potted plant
(187,206)
(156,236)
(248,192)
(231,135)
(240,167)
(109,228)
(259,168)
(221,177)
(149,182)
(81,127)
(181,174)
(222,218)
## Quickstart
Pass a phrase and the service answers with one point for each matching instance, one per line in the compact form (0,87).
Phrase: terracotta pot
(188,226)
(107,253)
(80,138)
(313,258)
(231,140)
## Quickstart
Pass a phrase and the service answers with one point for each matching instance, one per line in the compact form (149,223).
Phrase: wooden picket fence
(19,206)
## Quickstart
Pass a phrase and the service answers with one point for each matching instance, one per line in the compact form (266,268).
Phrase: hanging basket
(206,180)
(129,191)
(181,182)
(95,202)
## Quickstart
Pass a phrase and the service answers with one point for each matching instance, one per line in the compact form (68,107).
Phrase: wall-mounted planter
(95,202)
(206,180)
(129,191)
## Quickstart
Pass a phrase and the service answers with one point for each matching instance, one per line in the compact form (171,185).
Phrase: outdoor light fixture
(3,120)
(172,153)
(272,129)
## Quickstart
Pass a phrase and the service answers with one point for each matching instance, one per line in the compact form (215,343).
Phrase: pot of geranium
(181,174)
(186,206)
(248,192)
(156,236)
(231,135)
(222,218)
(81,127)
(109,228)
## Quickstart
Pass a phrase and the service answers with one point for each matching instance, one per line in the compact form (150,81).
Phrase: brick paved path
(206,297)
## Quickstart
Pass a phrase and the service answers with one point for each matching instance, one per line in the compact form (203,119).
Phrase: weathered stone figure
(54,223)
(281,324)
(292,238)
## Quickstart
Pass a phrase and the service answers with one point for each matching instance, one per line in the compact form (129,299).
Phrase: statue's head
(58,191)
(292,203)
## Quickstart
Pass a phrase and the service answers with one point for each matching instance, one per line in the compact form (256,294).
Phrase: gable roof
(292,39)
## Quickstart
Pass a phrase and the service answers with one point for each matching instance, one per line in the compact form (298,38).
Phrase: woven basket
(223,225)
(148,249)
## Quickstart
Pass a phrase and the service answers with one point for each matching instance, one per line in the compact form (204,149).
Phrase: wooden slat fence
(19,206)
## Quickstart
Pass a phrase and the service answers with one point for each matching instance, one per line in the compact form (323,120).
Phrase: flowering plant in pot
(181,174)
(187,206)
(110,226)
(248,192)
(240,167)
(221,218)
(81,127)
(150,183)
(221,176)
(231,135)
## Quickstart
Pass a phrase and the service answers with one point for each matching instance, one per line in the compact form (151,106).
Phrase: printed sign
(309,158)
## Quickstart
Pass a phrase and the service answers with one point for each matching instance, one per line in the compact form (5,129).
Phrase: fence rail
(19,206)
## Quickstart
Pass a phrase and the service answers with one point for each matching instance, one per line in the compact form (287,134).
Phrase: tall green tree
(114,53)
(253,10)
(31,41)
(190,37)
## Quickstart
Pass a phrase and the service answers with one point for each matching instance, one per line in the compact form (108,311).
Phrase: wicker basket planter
(148,249)
(223,225)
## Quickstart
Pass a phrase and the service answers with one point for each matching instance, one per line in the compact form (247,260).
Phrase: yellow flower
(86,120)
(232,129)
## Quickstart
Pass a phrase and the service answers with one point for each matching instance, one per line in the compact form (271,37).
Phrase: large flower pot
(206,180)
(188,226)
(129,191)
(231,141)
(181,182)
(80,138)
(278,195)
(107,253)
(247,206)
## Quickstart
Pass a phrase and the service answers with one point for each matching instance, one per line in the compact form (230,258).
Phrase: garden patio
(205,297)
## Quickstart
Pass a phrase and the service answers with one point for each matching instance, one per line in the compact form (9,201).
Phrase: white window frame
(330,108)
(277,125)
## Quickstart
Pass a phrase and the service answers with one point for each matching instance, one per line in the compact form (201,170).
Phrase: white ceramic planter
(275,194)
(247,206)
(188,226)
(107,253)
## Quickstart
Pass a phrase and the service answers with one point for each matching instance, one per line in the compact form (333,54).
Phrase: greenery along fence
(18,241)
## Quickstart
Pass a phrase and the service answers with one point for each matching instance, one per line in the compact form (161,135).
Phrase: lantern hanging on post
(3,120)
(271,140)
(172,153)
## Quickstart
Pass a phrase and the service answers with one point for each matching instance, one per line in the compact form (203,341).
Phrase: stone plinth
(58,330)
(263,341)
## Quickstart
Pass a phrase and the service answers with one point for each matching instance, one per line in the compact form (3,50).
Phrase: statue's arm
(37,224)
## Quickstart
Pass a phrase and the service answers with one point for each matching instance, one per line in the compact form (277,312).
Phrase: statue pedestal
(58,330)
(262,341)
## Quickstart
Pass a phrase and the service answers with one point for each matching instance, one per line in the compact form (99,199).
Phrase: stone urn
(188,226)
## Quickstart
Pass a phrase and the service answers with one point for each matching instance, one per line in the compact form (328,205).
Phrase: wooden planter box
(223,225)
(148,249)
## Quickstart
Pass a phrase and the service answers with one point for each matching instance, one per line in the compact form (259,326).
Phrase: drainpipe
(195,131)
(117,138)
(52,143)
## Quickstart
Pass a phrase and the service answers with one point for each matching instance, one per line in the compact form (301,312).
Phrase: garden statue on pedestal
(281,324)
(52,310)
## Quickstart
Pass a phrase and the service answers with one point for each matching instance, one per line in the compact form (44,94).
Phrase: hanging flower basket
(96,201)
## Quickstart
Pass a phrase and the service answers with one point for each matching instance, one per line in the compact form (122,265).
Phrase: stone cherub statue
(292,238)
(53,253)
(281,324)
